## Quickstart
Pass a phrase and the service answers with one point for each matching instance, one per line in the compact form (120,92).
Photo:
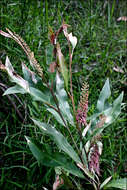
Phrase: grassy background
(101,46)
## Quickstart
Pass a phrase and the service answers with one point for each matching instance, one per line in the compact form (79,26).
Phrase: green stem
(72,99)
(71,88)
(59,112)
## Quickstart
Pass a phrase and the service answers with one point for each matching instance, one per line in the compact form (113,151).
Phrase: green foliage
(63,100)
(51,159)
(104,95)
(63,114)
(62,64)
(59,139)
(105,182)
(119,183)
(111,111)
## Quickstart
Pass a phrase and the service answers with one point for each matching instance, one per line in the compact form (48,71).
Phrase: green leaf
(15,89)
(117,106)
(105,182)
(52,159)
(62,99)
(38,95)
(119,183)
(94,116)
(62,64)
(35,149)
(60,140)
(29,75)
(15,77)
(104,95)
(84,157)
(86,171)
(56,115)
(49,54)
(25,85)
(113,113)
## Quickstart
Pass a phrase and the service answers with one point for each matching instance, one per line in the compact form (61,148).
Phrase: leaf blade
(13,90)
(105,182)
(62,64)
(60,140)
(56,115)
(119,183)
(62,99)
(52,159)
(104,95)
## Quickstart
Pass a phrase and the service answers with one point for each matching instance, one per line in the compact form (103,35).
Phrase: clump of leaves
(80,159)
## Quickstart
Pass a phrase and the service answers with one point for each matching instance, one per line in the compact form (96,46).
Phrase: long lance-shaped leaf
(62,64)
(104,95)
(119,183)
(52,159)
(113,113)
(56,115)
(117,106)
(62,99)
(15,77)
(36,94)
(15,89)
(110,114)
(37,89)
(23,86)
(86,171)
(29,75)
(106,181)
(39,96)
(60,140)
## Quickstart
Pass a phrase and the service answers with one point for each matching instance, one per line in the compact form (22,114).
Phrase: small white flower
(72,39)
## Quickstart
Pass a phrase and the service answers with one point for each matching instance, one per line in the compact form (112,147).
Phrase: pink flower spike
(83,106)
(94,165)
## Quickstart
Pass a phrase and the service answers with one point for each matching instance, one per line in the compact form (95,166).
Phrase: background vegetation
(101,52)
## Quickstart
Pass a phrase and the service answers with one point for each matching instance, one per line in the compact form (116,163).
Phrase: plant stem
(70,68)
(58,110)
(71,88)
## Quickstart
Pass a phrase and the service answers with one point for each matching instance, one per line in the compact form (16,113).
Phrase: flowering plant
(79,154)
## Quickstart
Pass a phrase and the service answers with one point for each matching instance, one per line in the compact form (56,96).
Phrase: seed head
(83,106)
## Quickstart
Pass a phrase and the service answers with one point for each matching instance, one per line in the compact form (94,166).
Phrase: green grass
(101,47)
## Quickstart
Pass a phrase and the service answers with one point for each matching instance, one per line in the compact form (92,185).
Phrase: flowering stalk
(69,38)
(94,165)
(96,148)
(57,53)
(83,106)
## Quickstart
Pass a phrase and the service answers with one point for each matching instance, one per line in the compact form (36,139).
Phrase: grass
(101,47)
